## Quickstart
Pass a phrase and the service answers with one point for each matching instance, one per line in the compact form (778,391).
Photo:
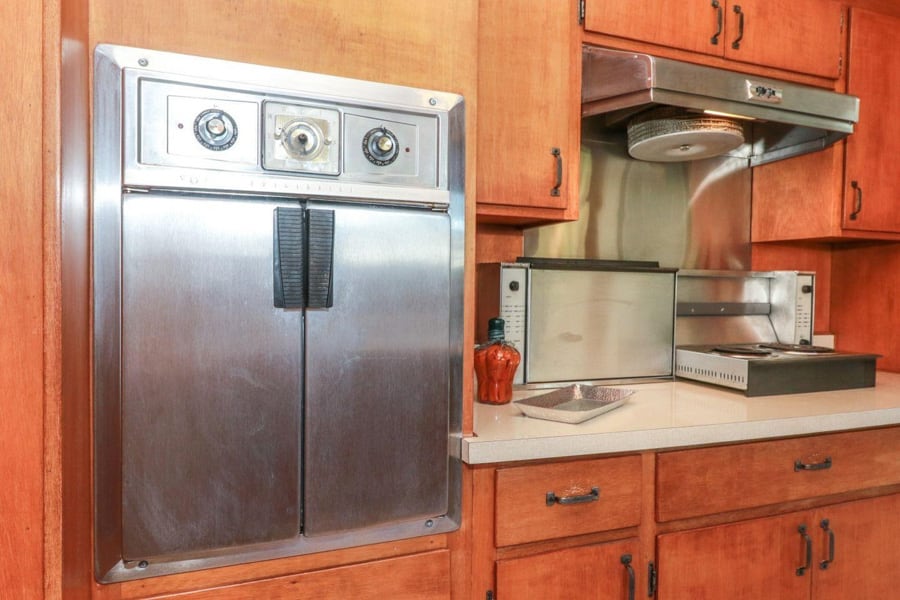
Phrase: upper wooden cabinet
(848,191)
(529,90)
(802,35)
(872,179)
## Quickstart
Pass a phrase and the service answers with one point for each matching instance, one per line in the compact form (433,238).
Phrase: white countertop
(678,414)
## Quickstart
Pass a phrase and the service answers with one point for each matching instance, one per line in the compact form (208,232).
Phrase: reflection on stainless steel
(693,215)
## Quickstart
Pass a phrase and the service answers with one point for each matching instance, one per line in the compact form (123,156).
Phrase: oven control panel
(281,139)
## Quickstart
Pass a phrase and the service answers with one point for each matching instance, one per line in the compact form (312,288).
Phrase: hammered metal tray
(574,404)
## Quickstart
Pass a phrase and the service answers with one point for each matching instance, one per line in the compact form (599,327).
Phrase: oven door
(212,379)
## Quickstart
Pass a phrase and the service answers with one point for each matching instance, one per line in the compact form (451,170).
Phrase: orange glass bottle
(496,362)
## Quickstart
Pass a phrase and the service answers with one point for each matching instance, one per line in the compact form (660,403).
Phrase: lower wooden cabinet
(609,571)
(837,552)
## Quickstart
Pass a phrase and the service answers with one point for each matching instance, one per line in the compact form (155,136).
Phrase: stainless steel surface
(743,307)
(587,324)
(204,391)
(778,372)
(693,215)
(786,119)
(354,408)
(753,331)
(377,388)
(596,325)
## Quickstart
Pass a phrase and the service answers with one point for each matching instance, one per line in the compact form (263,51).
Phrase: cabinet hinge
(651,580)
(840,65)
(489,595)
(581,11)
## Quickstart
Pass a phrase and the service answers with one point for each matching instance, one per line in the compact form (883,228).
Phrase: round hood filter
(672,135)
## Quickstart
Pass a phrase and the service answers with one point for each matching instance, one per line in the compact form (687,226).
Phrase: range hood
(779,119)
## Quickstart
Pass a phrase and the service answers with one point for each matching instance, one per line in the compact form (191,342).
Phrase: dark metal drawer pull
(626,560)
(714,40)
(554,191)
(802,466)
(736,44)
(808,541)
(857,205)
(825,526)
(592,497)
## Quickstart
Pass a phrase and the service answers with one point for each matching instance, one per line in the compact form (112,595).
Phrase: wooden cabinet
(559,530)
(872,180)
(563,499)
(833,553)
(803,36)
(529,91)
(415,577)
(848,191)
(599,571)
(771,472)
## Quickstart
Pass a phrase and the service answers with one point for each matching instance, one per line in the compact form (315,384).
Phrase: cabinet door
(859,541)
(872,181)
(801,35)
(528,96)
(596,571)
(695,25)
(740,561)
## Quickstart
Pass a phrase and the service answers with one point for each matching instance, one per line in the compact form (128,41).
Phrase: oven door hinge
(581,9)
(651,579)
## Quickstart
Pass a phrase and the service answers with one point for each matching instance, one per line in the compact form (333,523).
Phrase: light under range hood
(780,119)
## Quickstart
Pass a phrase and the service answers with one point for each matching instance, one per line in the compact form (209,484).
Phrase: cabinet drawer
(556,500)
(691,483)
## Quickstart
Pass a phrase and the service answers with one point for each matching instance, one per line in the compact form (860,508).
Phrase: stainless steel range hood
(780,119)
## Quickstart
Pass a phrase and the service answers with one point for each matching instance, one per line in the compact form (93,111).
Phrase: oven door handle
(303,258)
(320,258)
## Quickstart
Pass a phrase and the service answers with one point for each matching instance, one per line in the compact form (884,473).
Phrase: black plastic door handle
(303,258)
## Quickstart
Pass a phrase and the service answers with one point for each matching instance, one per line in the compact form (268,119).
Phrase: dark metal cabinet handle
(552,498)
(825,525)
(736,44)
(808,541)
(559,171)
(857,206)
(714,40)
(799,465)
(626,560)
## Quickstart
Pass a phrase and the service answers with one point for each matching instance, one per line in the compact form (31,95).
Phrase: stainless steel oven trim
(109,159)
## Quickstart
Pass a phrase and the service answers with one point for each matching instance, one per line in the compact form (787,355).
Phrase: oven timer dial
(303,139)
(215,129)
(380,146)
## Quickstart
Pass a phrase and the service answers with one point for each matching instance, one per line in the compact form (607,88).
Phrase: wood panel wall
(21,303)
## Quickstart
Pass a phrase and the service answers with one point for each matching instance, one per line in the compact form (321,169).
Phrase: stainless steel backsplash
(691,215)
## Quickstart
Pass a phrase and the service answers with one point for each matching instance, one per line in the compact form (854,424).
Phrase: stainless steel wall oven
(277,284)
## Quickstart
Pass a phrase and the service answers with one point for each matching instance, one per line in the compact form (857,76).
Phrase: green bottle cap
(495,329)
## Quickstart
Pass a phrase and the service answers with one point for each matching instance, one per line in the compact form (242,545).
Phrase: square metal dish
(575,403)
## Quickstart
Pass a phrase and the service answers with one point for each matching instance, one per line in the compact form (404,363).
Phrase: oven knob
(302,139)
(380,146)
(215,129)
